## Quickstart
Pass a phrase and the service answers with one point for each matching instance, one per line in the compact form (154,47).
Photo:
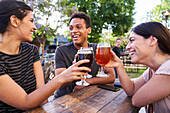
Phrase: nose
(128,46)
(34,27)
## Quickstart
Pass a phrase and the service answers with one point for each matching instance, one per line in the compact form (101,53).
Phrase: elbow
(136,103)
(111,80)
(26,107)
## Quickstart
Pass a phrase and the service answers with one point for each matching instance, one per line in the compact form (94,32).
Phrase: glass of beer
(85,53)
(103,56)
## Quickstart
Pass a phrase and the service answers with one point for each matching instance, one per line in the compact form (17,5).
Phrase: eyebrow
(131,37)
(75,25)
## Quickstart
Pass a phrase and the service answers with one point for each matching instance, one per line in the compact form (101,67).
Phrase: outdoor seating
(91,99)
(129,66)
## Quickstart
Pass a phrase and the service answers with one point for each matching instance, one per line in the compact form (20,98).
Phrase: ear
(14,21)
(154,40)
(89,30)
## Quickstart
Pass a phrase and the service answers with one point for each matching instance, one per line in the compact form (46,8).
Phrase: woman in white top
(149,44)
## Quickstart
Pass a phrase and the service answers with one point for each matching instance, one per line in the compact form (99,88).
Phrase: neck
(157,61)
(77,46)
(9,44)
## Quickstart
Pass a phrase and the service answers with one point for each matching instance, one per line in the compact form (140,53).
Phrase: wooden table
(90,99)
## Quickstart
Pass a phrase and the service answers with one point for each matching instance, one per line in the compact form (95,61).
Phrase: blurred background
(111,19)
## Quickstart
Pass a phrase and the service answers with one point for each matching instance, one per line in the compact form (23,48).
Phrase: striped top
(20,68)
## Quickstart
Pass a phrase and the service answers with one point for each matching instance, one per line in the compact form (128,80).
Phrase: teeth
(131,53)
(75,36)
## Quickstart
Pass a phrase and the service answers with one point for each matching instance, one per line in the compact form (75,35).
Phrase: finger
(109,66)
(79,75)
(74,61)
(81,69)
(81,62)
(113,53)
(86,69)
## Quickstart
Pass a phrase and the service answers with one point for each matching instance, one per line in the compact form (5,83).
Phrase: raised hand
(114,61)
(74,72)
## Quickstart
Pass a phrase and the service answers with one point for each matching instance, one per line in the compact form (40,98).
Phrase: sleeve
(146,75)
(36,56)
(164,69)
(2,71)
(59,59)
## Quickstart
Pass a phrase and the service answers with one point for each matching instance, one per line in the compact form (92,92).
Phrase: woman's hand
(74,72)
(114,61)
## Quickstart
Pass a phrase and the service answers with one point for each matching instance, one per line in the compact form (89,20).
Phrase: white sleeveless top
(163,105)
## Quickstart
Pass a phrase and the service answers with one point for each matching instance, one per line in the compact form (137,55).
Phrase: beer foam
(84,52)
(103,46)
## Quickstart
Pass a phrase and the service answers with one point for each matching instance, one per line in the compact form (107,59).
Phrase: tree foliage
(105,14)
(156,14)
(42,11)
(114,15)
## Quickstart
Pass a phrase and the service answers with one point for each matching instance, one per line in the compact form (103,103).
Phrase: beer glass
(103,56)
(85,53)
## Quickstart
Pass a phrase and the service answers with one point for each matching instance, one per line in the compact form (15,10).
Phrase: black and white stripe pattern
(20,68)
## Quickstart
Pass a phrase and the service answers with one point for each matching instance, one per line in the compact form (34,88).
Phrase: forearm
(65,85)
(38,96)
(125,81)
(100,80)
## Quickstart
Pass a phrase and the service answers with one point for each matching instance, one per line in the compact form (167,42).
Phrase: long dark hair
(9,8)
(157,30)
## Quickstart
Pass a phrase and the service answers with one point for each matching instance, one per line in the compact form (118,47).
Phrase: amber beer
(103,55)
(85,55)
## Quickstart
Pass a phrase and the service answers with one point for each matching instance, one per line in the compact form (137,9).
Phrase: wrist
(60,79)
(120,65)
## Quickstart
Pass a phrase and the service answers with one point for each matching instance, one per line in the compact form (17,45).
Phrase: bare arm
(143,93)
(58,71)
(155,89)
(39,76)
(103,80)
(129,86)
(21,100)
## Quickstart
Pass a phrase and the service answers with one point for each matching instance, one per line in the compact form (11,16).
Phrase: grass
(135,74)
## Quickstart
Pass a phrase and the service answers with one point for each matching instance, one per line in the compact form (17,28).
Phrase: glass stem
(102,70)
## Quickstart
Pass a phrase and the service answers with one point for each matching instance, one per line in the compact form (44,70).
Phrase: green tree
(42,11)
(156,14)
(105,14)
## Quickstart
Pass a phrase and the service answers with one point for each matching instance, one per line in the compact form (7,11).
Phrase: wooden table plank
(95,102)
(90,99)
(67,101)
(92,103)
(121,104)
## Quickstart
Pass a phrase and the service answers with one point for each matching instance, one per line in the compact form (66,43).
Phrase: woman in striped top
(21,76)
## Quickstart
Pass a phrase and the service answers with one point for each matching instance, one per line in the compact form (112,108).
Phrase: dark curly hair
(81,15)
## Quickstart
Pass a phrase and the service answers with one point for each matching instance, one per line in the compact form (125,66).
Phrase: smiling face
(79,32)
(26,27)
(139,48)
